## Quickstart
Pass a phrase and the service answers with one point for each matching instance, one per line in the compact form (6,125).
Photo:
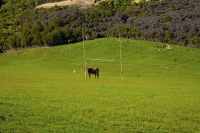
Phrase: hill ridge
(69,2)
(73,2)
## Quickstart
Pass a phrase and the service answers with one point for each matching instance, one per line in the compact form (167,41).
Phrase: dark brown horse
(94,71)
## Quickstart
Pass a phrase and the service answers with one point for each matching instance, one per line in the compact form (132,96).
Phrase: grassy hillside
(134,54)
(41,93)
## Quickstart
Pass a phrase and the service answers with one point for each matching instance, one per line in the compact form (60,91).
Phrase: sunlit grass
(39,88)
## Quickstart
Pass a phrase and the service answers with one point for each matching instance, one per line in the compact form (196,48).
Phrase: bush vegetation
(168,21)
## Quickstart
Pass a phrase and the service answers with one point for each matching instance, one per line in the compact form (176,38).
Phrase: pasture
(160,91)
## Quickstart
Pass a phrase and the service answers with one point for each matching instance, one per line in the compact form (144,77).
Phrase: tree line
(168,21)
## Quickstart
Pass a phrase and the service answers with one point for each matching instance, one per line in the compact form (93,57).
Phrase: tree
(195,41)
(36,30)
(168,36)
(54,23)
(26,36)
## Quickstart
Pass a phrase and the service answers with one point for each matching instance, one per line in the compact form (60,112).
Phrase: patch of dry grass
(65,3)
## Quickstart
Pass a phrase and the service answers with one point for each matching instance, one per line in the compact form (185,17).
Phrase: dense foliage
(169,21)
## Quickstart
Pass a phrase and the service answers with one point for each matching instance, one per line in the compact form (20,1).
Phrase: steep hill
(175,21)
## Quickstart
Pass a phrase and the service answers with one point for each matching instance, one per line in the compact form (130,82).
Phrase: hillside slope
(67,2)
(45,90)
(73,2)
(175,21)
(135,53)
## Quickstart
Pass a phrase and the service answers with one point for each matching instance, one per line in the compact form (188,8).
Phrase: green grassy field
(39,91)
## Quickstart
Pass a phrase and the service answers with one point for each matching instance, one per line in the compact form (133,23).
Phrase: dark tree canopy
(168,21)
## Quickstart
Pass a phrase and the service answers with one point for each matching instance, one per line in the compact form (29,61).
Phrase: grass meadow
(159,92)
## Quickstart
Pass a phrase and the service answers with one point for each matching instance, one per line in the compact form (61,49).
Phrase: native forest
(167,21)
